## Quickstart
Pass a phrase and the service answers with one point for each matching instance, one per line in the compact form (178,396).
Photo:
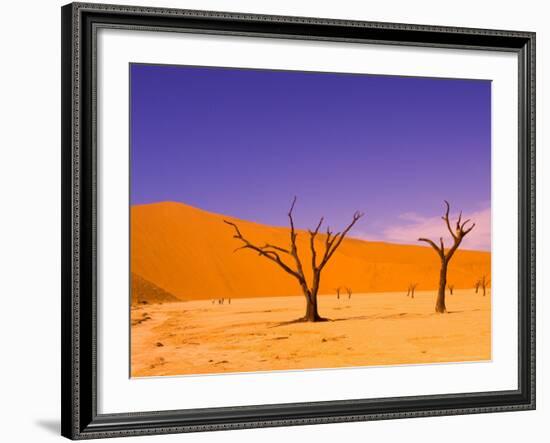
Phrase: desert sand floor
(198,337)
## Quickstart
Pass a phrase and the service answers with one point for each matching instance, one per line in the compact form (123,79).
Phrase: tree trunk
(311,311)
(440,303)
(312,314)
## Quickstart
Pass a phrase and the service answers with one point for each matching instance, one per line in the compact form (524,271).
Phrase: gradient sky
(244,142)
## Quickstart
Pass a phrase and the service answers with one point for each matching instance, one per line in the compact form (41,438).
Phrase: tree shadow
(381,317)
(357,317)
(323,320)
(460,312)
(299,320)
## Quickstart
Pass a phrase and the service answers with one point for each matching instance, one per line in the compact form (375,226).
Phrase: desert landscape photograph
(289,220)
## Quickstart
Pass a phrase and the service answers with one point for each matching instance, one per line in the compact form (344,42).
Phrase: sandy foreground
(253,334)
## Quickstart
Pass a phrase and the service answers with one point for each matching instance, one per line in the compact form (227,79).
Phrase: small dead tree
(411,288)
(477,285)
(484,283)
(445,256)
(273,253)
(338,293)
(451,289)
(348,290)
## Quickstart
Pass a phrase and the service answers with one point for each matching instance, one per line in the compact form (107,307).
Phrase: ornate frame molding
(79,392)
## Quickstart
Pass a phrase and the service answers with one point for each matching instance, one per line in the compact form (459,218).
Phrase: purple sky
(244,142)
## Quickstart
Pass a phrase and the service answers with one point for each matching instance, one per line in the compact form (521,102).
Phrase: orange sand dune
(189,253)
(145,292)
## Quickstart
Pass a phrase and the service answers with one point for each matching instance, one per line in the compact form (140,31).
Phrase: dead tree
(348,290)
(338,293)
(484,282)
(445,256)
(451,289)
(411,288)
(274,253)
(477,285)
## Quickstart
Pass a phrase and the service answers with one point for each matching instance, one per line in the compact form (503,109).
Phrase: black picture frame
(79,178)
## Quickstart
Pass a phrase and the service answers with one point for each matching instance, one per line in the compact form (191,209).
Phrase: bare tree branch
(446,219)
(338,238)
(292,231)
(458,221)
(294,247)
(312,236)
(463,224)
(271,255)
(319,225)
(431,243)
(278,248)
(469,229)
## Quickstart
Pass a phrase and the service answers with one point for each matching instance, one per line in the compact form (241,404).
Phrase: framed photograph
(273,221)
